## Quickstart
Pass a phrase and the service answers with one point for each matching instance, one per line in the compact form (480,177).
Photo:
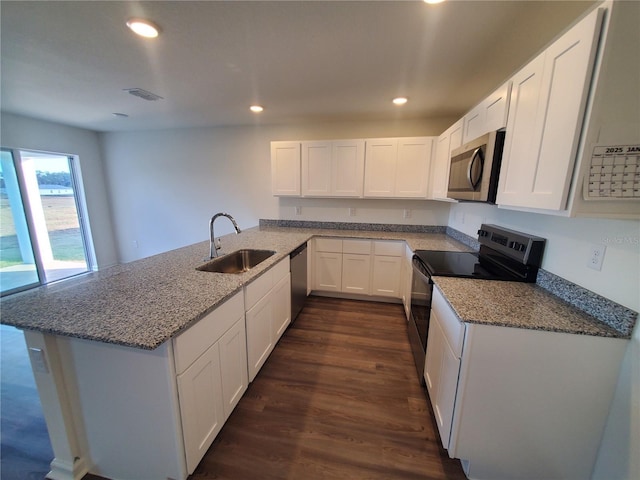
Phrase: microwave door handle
(477,155)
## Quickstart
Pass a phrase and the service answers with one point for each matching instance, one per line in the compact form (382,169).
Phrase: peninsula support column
(55,380)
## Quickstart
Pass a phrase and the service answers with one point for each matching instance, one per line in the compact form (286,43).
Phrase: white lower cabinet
(201,405)
(281,306)
(441,369)
(356,273)
(356,266)
(387,268)
(359,267)
(268,304)
(259,338)
(233,363)
(327,264)
(519,403)
(211,373)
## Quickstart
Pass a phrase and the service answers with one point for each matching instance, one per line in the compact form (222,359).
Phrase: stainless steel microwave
(474,170)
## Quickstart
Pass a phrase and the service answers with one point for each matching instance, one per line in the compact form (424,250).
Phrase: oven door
(421,290)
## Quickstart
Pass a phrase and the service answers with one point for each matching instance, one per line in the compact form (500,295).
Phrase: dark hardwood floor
(338,398)
(25,449)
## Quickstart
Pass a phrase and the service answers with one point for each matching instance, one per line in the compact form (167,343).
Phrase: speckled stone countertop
(144,303)
(518,305)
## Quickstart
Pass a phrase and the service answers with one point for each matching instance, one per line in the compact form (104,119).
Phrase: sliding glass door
(41,230)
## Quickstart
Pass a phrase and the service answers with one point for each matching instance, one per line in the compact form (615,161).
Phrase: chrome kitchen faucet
(213,248)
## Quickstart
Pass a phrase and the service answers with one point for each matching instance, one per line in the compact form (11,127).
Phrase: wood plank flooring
(337,399)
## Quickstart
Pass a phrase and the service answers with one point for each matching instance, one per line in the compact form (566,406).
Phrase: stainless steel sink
(236,262)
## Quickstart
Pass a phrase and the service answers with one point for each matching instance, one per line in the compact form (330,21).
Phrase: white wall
(166,185)
(27,133)
(566,254)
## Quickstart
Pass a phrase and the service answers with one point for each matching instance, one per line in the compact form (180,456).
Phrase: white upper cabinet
(489,115)
(448,141)
(545,119)
(397,167)
(285,169)
(333,168)
(412,167)
(380,167)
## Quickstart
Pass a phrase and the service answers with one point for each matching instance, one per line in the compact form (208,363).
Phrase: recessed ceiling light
(144,28)
(400,100)
(256,108)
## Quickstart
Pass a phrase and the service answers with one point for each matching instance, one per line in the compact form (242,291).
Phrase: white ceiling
(305,61)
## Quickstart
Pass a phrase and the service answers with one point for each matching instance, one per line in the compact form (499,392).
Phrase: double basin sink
(236,262)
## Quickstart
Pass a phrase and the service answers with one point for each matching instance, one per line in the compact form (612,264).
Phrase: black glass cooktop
(459,264)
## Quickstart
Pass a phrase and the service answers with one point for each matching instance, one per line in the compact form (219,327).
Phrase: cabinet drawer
(280,270)
(452,327)
(194,341)
(328,245)
(257,289)
(391,249)
(362,247)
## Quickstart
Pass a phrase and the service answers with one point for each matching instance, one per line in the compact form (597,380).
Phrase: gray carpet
(25,451)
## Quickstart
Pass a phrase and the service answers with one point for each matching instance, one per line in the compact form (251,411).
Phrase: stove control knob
(483,233)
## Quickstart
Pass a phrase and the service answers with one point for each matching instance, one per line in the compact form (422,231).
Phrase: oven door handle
(425,278)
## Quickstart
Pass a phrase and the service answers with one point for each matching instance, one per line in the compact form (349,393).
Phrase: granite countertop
(518,305)
(144,303)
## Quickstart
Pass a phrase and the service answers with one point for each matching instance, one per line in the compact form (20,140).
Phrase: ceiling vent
(139,92)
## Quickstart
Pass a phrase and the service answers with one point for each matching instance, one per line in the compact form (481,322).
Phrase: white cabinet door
(281,294)
(316,169)
(356,273)
(347,168)
(285,168)
(545,120)
(380,167)
(386,276)
(412,167)
(259,321)
(333,168)
(328,271)
(441,376)
(233,365)
(449,140)
(489,115)
(201,405)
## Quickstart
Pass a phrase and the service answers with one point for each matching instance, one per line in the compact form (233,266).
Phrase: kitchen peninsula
(109,365)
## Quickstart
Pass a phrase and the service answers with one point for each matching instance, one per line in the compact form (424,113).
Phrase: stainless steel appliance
(504,255)
(474,169)
(298,265)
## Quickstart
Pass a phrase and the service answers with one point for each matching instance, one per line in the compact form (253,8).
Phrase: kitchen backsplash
(607,311)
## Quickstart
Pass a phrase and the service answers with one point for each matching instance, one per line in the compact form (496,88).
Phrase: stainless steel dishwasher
(298,260)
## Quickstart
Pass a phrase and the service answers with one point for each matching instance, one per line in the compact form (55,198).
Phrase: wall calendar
(614,173)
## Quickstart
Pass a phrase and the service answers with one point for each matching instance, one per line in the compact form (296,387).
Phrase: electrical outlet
(352,212)
(298,210)
(596,257)
(135,244)
(407,213)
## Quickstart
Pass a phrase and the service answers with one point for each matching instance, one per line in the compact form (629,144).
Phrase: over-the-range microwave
(474,170)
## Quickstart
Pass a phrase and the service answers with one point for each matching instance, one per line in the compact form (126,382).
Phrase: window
(42,232)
